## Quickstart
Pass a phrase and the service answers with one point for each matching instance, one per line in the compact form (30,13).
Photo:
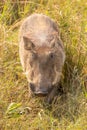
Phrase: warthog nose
(40,93)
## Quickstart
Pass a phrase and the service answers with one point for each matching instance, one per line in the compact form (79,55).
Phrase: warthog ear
(56,42)
(28,44)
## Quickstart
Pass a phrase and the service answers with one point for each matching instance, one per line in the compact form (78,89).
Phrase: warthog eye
(33,55)
(51,55)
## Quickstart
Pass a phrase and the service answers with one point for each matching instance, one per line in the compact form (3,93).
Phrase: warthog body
(42,54)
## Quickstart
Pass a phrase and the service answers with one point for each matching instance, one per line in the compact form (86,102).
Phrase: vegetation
(68,111)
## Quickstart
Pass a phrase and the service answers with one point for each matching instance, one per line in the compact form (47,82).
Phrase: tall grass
(68,111)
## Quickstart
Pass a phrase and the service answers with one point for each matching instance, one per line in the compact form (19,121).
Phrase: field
(69,110)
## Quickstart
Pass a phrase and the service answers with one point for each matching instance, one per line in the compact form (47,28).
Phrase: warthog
(42,54)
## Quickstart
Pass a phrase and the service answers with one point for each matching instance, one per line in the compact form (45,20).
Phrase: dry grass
(68,111)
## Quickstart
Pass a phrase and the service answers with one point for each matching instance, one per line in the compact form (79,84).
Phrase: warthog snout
(39,91)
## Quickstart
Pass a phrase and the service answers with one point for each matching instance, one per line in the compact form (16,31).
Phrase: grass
(68,111)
